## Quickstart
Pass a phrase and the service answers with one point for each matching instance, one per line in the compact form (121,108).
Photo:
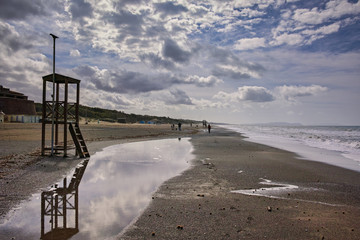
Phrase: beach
(226,193)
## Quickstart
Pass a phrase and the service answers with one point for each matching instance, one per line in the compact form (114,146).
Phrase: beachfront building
(16,107)
(2,117)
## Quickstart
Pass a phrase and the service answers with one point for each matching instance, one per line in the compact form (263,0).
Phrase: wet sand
(200,204)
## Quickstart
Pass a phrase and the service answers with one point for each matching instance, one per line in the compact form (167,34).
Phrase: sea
(335,145)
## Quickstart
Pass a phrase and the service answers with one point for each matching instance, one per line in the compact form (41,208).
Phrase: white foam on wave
(332,145)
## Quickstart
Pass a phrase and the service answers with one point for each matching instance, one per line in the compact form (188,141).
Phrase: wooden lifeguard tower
(66,115)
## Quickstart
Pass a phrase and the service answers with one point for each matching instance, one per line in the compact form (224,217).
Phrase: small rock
(153,234)
(180,227)
(269,208)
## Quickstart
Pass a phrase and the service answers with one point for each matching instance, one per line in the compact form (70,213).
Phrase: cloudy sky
(243,61)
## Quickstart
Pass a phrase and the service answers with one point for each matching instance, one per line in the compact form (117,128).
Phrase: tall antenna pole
(53,96)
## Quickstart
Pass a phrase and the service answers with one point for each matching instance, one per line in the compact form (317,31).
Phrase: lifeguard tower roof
(60,78)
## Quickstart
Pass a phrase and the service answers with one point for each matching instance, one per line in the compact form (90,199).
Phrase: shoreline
(199,203)
(331,153)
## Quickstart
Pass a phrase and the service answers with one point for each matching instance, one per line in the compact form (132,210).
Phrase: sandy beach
(204,202)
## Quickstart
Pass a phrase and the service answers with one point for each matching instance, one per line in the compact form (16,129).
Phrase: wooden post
(64,203)
(43,119)
(77,208)
(65,116)
(57,116)
(77,102)
(42,214)
(56,210)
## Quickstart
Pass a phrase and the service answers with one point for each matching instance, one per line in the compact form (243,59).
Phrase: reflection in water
(116,187)
(57,203)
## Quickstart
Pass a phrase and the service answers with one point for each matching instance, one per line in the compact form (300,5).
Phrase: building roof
(60,78)
(6,92)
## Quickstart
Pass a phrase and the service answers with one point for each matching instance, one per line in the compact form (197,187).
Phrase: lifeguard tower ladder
(66,115)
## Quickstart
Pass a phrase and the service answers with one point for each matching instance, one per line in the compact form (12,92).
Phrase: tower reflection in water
(59,205)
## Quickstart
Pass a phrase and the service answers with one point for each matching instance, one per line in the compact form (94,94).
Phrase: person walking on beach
(179,125)
(209,127)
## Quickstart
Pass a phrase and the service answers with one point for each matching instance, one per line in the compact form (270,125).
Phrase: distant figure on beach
(173,127)
(209,128)
(179,125)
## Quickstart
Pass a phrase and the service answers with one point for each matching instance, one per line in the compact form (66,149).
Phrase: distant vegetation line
(101,114)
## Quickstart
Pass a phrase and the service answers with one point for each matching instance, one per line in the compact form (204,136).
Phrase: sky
(241,61)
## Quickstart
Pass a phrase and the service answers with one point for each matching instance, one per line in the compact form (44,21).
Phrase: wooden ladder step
(78,140)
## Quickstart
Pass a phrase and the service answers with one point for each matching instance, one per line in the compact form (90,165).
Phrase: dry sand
(199,203)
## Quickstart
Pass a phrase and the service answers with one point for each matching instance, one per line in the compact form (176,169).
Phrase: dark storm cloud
(229,65)
(85,71)
(127,82)
(129,24)
(10,40)
(117,100)
(224,72)
(123,81)
(121,3)
(80,9)
(20,9)
(123,17)
(156,61)
(256,94)
(169,8)
(172,50)
(178,97)
(227,57)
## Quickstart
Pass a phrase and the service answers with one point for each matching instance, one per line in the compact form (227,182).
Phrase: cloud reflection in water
(120,180)
(116,186)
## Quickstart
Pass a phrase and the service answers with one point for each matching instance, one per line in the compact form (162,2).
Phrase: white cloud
(74,53)
(292,92)
(249,43)
(249,3)
(289,39)
(334,9)
(247,93)
(320,32)
(247,12)
(203,81)
(332,28)
(177,97)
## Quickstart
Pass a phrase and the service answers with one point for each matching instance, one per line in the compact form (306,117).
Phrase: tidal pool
(103,195)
